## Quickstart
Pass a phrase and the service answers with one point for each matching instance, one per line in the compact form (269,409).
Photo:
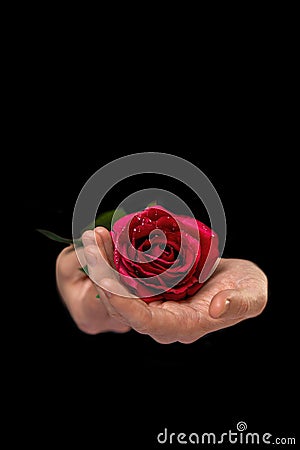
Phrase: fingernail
(225,309)
(91,258)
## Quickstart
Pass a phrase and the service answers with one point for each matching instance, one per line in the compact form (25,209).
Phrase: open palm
(237,290)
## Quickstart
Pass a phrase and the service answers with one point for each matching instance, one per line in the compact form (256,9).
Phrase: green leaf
(108,218)
(97,296)
(55,237)
(153,203)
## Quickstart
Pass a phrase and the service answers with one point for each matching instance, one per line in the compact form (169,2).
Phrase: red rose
(160,255)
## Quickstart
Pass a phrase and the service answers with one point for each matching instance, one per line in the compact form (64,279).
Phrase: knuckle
(164,339)
(242,308)
(144,323)
(140,328)
(260,304)
(191,328)
(87,328)
(82,322)
(65,262)
(190,340)
(61,267)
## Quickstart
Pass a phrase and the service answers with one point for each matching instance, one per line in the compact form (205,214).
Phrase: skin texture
(236,291)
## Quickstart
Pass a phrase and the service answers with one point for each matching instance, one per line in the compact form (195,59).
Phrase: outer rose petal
(208,240)
(120,224)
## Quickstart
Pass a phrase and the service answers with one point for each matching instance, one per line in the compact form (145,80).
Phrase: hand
(236,291)
(79,295)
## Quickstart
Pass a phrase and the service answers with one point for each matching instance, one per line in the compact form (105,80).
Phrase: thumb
(236,303)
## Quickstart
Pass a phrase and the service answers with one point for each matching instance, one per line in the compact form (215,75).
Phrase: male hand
(79,294)
(236,291)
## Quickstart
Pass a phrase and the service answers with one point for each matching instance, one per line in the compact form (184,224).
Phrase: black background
(124,389)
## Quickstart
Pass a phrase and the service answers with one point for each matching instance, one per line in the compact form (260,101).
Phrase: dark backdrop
(99,382)
(124,389)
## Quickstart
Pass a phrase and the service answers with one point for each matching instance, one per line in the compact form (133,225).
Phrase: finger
(95,255)
(118,326)
(89,238)
(68,262)
(106,243)
(236,303)
(157,322)
(101,241)
(111,287)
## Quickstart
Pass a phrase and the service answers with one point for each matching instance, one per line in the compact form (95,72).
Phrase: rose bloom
(160,255)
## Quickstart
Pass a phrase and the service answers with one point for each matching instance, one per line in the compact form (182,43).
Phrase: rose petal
(177,255)
(167,223)
(120,224)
